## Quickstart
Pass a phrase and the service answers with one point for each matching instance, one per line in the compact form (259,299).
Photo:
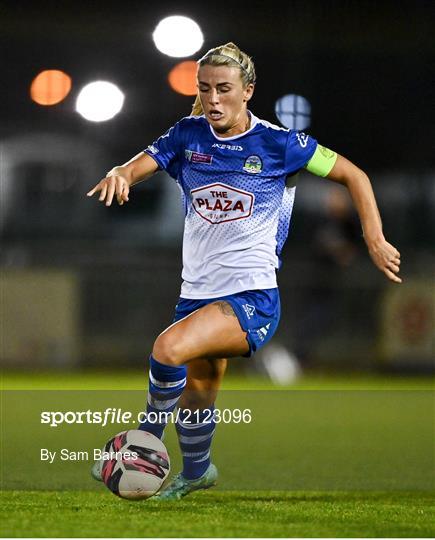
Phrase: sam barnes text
(83,455)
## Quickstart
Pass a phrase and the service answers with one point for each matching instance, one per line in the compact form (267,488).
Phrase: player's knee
(168,351)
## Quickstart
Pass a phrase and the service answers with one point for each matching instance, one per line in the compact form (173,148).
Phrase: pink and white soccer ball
(136,463)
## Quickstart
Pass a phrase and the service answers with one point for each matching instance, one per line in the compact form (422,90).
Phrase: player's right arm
(118,181)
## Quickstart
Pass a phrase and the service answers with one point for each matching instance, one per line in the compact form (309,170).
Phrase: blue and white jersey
(236,202)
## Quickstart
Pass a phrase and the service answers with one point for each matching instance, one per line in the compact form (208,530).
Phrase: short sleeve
(299,150)
(166,150)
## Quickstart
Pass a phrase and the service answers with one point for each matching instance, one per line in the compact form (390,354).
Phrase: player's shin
(166,384)
(195,429)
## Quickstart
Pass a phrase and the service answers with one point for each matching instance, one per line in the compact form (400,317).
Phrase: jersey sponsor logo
(235,147)
(249,310)
(218,203)
(302,138)
(197,157)
(253,165)
(152,149)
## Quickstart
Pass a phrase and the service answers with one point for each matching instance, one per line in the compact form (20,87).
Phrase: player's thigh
(204,377)
(212,331)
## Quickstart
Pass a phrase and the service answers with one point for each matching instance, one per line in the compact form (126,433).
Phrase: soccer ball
(135,464)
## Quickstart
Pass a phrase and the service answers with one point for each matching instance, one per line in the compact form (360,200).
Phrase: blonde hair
(227,55)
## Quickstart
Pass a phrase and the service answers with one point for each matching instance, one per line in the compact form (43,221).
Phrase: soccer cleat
(180,487)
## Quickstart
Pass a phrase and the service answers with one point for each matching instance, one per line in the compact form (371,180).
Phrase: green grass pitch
(324,457)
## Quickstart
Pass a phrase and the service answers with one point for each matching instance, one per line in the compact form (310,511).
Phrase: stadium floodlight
(99,101)
(294,112)
(50,87)
(178,36)
(182,78)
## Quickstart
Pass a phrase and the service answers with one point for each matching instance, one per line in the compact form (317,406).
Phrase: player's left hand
(386,257)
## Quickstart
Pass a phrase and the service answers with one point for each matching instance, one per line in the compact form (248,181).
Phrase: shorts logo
(152,149)
(197,157)
(262,333)
(217,203)
(253,165)
(302,138)
(249,310)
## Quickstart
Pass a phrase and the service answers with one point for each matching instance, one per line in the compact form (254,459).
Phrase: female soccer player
(232,169)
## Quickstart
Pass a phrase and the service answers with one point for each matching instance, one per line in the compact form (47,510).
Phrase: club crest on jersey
(197,157)
(218,203)
(253,165)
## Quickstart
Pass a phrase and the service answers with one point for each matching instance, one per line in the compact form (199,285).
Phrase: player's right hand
(112,185)
(386,257)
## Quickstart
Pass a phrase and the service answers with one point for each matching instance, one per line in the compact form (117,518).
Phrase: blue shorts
(258,312)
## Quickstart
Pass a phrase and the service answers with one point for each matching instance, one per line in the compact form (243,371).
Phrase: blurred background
(83,285)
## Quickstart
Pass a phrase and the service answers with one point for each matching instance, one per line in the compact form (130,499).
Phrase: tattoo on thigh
(225,308)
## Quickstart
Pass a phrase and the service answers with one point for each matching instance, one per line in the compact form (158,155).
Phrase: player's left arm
(384,255)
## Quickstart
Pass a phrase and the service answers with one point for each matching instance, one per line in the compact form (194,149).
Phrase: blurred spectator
(338,239)
(337,245)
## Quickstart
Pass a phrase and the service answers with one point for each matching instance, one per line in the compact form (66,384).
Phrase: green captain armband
(322,161)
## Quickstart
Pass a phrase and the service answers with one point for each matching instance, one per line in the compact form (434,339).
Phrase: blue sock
(166,384)
(195,434)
